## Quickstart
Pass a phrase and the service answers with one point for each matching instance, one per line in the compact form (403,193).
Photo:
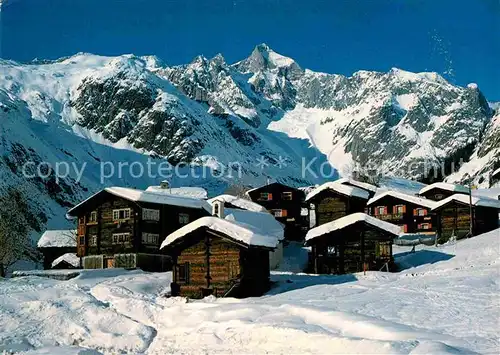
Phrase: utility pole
(470,209)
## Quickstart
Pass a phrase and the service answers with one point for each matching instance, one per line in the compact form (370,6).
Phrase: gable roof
(419,201)
(345,190)
(263,221)
(361,185)
(70,258)
(238,202)
(239,232)
(445,186)
(184,191)
(61,238)
(149,197)
(465,199)
(351,219)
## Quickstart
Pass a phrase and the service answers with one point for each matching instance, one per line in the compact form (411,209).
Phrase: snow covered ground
(444,301)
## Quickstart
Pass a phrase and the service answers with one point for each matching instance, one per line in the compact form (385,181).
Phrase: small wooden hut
(441,190)
(353,243)
(333,200)
(214,256)
(454,215)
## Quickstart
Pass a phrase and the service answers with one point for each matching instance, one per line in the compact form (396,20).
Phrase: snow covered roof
(307,189)
(465,199)
(70,258)
(239,202)
(349,220)
(185,191)
(445,186)
(265,222)
(362,185)
(240,232)
(341,189)
(58,239)
(151,197)
(408,198)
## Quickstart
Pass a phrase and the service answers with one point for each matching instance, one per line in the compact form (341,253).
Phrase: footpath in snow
(444,301)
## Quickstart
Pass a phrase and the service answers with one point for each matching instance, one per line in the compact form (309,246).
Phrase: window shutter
(385,210)
(394,209)
(270,197)
(404,208)
(425,212)
(376,211)
(284,213)
(405,228)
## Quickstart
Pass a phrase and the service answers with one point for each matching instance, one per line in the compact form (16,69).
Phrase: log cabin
(285,203)
(352,243)
(55,243)
(454,215)
(220,257)
(123,227)
(332,201)
(411,213)
(441,190)
(371,189)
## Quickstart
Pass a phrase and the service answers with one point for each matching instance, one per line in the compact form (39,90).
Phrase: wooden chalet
(371,189)
(55,243)
(411,213)
(220,257)
(454,215)
(123,227)
(285,203)
(441,190)
(332,201)
(352,243)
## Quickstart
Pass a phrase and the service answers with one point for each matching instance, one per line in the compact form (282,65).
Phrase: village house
(285,203)
(353,243)
(454,215)
(411,213)
(220,257)
(123,227)
(331,201)
(55,243)
(441,190)
(371,189)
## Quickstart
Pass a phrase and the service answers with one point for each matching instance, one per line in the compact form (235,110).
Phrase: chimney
(164,184)
(218,208)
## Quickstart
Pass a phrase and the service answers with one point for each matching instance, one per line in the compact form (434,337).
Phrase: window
(120,214)
(280,213)
(120,238)
(420,212)
(424,226)
(380,210)
(183,218)
(399,209)
(93,241)
(183,273)
(265,196)
(93,217)
(150,215)
(150,238)
(404,228)
(287,196)
(81,220)
(81,240)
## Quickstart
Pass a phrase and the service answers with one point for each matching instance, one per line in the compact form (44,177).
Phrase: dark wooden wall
(438,194)
(329,205)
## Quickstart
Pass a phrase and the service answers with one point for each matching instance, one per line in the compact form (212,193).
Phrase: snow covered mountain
(265,113)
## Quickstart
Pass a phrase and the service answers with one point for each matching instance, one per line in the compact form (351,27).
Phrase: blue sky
(459,38)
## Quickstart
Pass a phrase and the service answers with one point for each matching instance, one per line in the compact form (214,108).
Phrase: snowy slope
(445,301)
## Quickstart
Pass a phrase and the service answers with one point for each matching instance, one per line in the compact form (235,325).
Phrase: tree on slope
(15,242)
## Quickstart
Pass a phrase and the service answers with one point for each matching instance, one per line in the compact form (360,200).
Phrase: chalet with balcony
(332,201)
(220,257)
(55,243)
(353,243)
(123,227)
(454,216)
(285,203)
(371,189)
(441,190)
(411,213)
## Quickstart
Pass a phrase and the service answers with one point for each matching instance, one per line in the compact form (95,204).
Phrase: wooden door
(109,263)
